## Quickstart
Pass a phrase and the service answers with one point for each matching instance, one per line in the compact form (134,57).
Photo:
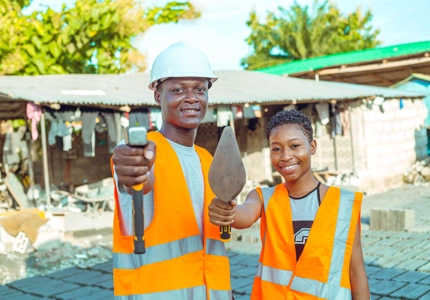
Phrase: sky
(221,31)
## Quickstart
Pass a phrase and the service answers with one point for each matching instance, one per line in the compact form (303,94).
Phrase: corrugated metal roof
(413,76)
(316,63)
(233,87)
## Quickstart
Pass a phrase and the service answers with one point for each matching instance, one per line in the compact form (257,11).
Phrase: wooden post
(45,161)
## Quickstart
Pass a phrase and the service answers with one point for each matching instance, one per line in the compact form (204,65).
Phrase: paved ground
(397,263)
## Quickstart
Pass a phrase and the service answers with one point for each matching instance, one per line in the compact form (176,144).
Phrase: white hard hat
(180,60)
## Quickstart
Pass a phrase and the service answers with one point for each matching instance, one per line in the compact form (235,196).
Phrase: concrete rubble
(418,173)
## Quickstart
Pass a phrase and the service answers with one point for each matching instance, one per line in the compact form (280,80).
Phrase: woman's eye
(275,149)
(295,146)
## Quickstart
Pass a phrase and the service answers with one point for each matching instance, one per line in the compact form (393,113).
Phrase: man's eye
(178,90)
(201,89)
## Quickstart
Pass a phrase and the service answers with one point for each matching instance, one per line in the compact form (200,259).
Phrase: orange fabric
(278,250)
(355,220)
(174,219)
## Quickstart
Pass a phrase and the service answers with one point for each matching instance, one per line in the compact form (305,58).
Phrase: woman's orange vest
(322,271)
(177,263)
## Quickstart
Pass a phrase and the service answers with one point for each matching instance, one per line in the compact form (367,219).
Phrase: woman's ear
(313,147)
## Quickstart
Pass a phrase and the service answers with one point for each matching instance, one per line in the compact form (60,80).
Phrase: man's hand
(222,213)
(132,164)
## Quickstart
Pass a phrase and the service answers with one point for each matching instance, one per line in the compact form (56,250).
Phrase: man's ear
(157,97)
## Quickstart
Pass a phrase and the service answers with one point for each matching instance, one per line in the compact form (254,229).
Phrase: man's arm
(357,272)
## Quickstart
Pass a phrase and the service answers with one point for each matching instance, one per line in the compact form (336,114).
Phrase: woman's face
(290,151)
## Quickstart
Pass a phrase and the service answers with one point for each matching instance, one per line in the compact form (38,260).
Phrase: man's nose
(191,95)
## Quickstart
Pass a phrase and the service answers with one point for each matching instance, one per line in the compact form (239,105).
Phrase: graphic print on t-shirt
(301,233)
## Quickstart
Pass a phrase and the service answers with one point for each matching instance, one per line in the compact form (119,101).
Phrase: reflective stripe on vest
(267,194)
(273,275)
(215,247)
(158,253)
(198,292)
(218,295)
(332,290)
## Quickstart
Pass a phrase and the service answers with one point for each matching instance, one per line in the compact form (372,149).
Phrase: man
(184,257)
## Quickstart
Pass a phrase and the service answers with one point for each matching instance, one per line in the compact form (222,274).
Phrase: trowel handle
(225,233)
(138,220)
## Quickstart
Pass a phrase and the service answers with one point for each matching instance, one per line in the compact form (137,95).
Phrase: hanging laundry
(336,128)
(223,115)
(110,123)
(237,112)
(323,112)
(345,119)
(248,112)
(156,117)
(140,118)
(318,128)
(210,116)
(34,113)
(67,140)
(88,135)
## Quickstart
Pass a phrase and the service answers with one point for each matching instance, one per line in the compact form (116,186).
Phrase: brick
(386,274)
(368,259)
(374,297)
(80,293)
(388,251)
(387,261)
(85,277)
(421,236)
(246,272)
(411,291)
(426,280)
(425,268)
(385,287)
(386,242)
(235,268)
(404,235)
(412,264)
(371,270)
(383,234)
(52,287)
(425,297)
(237,283)
(411,277)
(246,289)
(369,240)
(411,253)
(372,249)
(22,296)
(65,273)
(28,282)
(423,245)
(423,255)
(105,284)
(105,267)
(407,244)
(241,297)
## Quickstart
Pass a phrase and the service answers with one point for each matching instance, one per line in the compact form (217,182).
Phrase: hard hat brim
(153,85)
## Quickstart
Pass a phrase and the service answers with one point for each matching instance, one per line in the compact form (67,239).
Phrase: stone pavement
(397,263)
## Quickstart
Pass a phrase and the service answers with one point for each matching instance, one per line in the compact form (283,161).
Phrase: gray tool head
(227,173)
(136,136)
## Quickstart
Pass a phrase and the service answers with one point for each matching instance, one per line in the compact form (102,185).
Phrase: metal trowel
(227,173)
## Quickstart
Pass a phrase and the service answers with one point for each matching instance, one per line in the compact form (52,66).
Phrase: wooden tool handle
(225,233)
(138,220)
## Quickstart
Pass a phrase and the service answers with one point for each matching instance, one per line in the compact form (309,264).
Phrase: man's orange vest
(322,271)
(177,263)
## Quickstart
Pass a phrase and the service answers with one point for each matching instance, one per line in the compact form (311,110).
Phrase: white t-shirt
(191,167)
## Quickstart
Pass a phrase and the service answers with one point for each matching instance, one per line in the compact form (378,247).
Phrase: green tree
(93,36)
(302,32)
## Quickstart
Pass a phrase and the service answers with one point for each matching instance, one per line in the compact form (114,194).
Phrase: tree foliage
(302,32)
(93,36)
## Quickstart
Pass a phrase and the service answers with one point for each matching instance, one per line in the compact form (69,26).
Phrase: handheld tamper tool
(136,137)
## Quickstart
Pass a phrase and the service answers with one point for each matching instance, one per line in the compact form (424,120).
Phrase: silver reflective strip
(218,295)
(277,276)
(215,247)
(332,289)
(320,289)
(267,194)
(158,253)
(198,292)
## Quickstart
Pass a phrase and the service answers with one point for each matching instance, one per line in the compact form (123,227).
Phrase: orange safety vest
(177,263)
(322,271)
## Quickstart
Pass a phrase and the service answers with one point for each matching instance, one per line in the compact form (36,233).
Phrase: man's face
(183,101)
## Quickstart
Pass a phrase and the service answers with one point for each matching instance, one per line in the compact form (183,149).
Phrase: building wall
(388,142)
